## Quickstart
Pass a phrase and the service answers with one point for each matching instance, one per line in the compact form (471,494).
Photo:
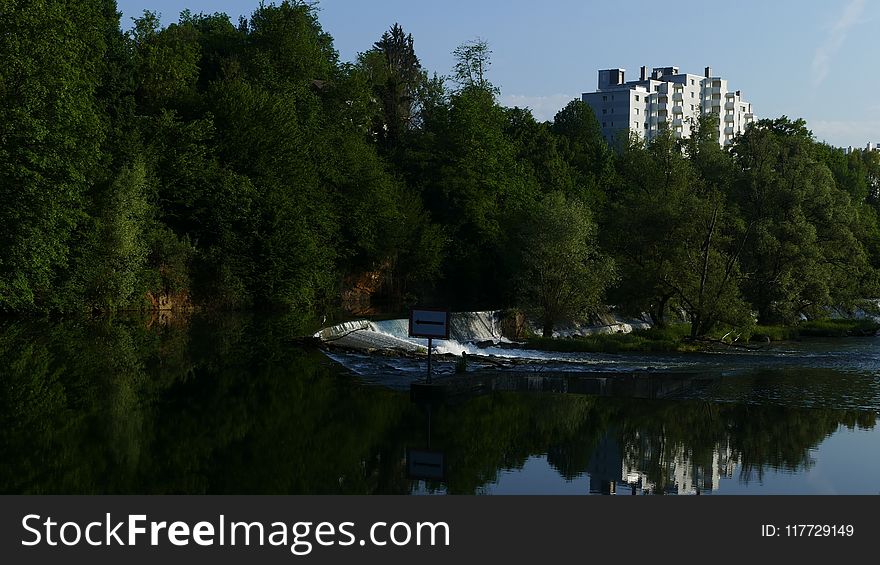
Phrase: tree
(709,290)
(472,61)
(583,147)
(562,273)
(644,225)
(473,184)
(804,246)
(397,76)
(166,63)
(50,148)
(108,267)
(676,239)
(538,152)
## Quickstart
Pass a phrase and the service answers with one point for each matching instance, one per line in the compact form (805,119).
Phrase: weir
(474,333)
(470,332)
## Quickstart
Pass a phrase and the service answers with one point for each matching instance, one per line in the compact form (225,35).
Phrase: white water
(474,333)
(467,329)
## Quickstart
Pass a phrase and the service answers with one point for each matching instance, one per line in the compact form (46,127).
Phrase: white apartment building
(666,99)
(868,147)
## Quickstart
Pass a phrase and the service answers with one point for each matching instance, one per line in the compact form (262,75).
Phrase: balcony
(728,117)
(676,122)
(677,96)
(677,109)
(729,105)
(728,130)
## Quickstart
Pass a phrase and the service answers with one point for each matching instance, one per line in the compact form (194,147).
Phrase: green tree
(562,272)
(710,275)
(538,152)
(804,243)
(583,147)
(109,268)
(475,183)
(645,224)
(397,76)
(472,61)
(677,240)
(51,143)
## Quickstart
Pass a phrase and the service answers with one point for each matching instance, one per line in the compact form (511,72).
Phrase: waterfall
(467,330)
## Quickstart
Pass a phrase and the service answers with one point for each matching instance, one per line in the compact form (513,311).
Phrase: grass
(775,333)
(673,339)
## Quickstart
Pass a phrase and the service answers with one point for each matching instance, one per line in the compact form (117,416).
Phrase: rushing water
(232,405)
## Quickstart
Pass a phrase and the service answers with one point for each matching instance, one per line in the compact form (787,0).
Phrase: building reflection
(617,469)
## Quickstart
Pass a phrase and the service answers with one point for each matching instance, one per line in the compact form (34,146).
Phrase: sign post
(429,323)
(430,347)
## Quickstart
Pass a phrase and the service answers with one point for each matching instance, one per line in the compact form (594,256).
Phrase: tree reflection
(229,405)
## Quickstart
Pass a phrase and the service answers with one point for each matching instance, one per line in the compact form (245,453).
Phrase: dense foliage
(245,166)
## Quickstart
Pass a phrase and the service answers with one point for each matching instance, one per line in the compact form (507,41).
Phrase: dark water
(230,405)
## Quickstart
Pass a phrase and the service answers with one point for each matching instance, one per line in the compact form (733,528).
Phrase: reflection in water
(230,405)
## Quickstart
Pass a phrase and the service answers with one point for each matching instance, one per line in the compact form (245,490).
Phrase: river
(230,404)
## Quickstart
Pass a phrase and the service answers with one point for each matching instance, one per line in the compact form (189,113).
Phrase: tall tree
(472,61)
(677,240)
(803,236)
(562,274)
(51,145)
(397,76)
(644,224)
(583,147)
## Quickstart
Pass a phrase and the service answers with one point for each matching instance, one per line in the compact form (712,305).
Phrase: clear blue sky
(815,59)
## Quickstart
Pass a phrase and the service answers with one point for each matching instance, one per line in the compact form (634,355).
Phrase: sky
(811,59)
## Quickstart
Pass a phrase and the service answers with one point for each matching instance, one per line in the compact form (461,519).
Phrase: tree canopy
(244,165)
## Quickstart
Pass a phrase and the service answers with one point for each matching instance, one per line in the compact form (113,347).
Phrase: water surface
(231,405)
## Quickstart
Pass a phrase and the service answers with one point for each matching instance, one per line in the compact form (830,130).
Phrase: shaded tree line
(242,165)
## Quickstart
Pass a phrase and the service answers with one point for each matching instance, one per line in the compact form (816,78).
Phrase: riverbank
(676,338)
(652,340)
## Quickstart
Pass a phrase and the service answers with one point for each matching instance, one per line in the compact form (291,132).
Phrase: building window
(692,107)
(604,99)
(637,97)
(656,89)
(636,124)
(692,93)
(604,124)
(637,111)
(604,111)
